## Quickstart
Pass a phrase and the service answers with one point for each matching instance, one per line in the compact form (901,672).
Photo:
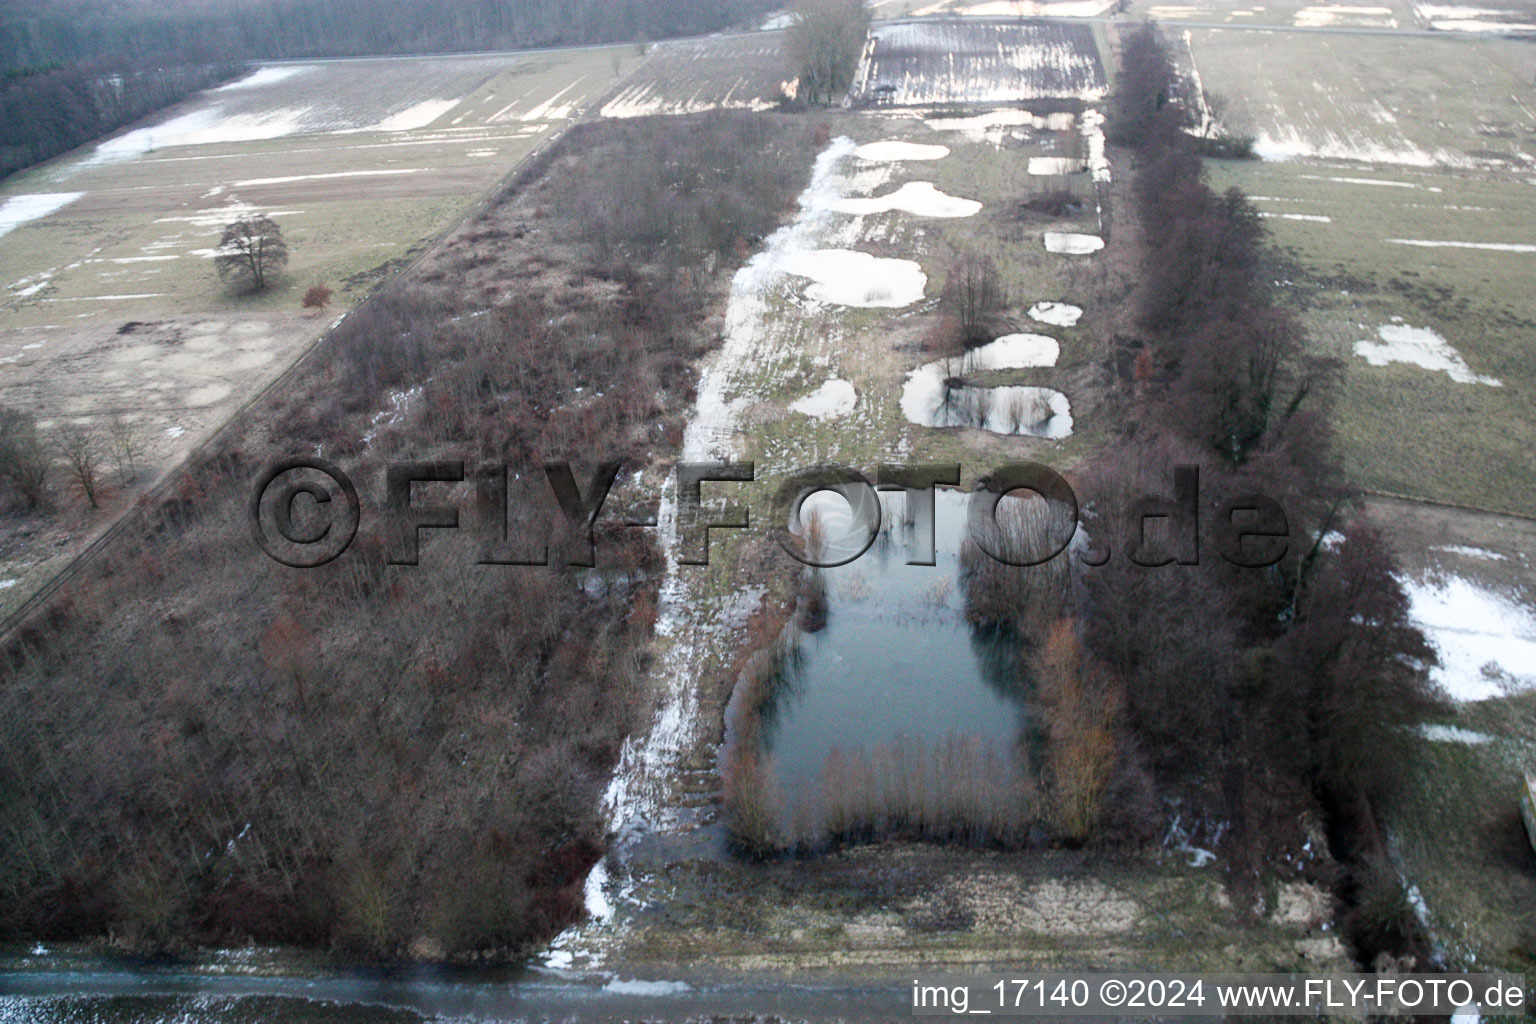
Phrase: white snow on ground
(1503,27)
(1358,181)
(1093,131)
(1071,244)
(891,151)
(1469,552)
(1486,641)
(647,988)
(1330,15)
(636,796)
(1015,352)
(1057,314)
(17,210)
(8,584)
(1315,218)
(198,128)
(648,99)
(595,898)
(920,198)
(1421,347)
(847,277)
(417,116)
(778,22)
(1019,8)
(1054,165)
(1287,143)
(931,399)
(1452,734)
(552,109)
(1469,1014)
(252,182)
(833,399)
(983,62)
(1425,243)
(996,125)
(1431,11)
(261,77)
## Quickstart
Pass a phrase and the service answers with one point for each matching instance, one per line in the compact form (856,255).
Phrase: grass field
(1503,16)
(1372,170)
(1379,151)
(109,305)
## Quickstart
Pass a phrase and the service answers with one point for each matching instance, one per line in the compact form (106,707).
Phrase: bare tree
(127,449)
(82,456)
(975,297)
(251,250)
(23,460)
(824,42)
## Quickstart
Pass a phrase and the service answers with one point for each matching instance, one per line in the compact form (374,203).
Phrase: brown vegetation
(199,744)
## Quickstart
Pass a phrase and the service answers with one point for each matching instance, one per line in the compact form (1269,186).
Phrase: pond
(897,688)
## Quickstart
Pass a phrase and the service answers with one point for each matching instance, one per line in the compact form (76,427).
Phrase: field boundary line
(1460,506)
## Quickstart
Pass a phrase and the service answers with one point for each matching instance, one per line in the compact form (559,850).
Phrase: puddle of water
(938,395)
(896,665)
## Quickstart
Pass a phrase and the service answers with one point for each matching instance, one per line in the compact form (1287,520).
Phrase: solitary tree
(825,40)
(252,248)
(317,297)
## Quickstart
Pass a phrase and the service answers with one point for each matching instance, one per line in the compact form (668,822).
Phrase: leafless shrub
(82,456)
(23,458)
(974,296)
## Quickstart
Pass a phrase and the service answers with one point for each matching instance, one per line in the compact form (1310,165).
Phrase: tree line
(1252,700)
(51,110)
(39,33)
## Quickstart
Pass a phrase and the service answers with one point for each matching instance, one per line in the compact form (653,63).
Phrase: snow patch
(200,128)
(18,210)
(935,394)
(262,77)
(647,988)
(846,277)
(253,182)
(1315,218)
(1486,641)
(415,117)
(1421,347)
(1054,165)
(1019,8)
(1331,15)
(1425,243)
(1071,244)
(596,899)
(919,198)
(1057,314)
(1453,734)
(1470,552)
(891,151)
(832,400)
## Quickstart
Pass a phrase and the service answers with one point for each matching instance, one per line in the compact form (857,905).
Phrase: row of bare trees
(1249,696)
(28,458)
